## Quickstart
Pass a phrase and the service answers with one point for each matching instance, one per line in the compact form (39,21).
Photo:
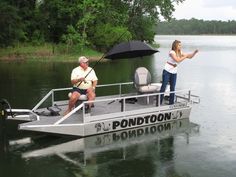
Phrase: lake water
(206,150)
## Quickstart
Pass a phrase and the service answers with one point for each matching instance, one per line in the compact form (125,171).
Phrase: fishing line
(103,56)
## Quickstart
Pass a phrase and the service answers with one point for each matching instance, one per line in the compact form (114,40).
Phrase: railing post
(123,105)
(41,101)
(158,99)
(52,97)
(189,95)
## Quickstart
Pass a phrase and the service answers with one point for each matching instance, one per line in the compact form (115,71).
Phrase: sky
(206,9)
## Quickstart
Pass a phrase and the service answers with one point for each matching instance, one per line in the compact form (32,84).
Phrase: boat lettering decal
(176,115)
(179,105)
(98,126)
(102,126)
(149,119)
(142,131)
(135,133)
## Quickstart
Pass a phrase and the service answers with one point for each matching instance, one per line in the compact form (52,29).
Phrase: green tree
(56,16)
(90,10)
(11,26)
(92,23)
(26,11)
(107,35)
(144,16)
(72,37)
(110,26)
(194,26)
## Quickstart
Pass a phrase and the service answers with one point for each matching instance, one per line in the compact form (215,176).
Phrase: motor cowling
(3,114)
(4,105)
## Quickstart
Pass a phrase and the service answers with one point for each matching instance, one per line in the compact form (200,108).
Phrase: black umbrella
(130,49)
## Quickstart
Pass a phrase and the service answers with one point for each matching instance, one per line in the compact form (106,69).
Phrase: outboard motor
(5,111)
(3,115)
(4,105)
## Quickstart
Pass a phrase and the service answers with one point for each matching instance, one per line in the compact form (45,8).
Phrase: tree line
(93,23)
(196,27)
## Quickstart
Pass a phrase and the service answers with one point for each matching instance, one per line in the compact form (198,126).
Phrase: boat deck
(100,108)
(110,113)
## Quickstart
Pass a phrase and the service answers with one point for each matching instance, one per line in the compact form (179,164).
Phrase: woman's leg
(173,79)
(165,80)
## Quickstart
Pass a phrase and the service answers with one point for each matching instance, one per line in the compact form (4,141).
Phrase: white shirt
(79,72)
(170,68)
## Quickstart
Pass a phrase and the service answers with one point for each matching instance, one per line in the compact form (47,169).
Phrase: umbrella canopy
(130,49)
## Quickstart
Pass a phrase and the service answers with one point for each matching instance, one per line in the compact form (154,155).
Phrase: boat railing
(71,113)
(152,100)
(52,92)
(183,99)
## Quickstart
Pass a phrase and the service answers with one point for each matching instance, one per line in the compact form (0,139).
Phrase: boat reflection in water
(115,140)
(143,151)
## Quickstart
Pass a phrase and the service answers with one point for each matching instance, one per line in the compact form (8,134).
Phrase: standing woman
(170,70)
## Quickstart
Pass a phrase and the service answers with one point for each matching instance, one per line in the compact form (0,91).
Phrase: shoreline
(46,53)
(63,58)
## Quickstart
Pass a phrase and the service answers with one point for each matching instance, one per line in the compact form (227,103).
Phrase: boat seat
(142,81)
(81,98)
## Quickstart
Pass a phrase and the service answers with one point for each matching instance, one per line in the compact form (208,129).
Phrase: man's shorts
(81,91)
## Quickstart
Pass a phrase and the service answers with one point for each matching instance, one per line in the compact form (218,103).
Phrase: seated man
(84,81)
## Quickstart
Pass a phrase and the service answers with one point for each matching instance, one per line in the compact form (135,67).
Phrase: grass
(46,52)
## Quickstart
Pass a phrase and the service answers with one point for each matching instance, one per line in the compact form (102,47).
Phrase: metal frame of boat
(111,113)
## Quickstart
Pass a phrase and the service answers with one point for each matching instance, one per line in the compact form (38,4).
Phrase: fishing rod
(103,56)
